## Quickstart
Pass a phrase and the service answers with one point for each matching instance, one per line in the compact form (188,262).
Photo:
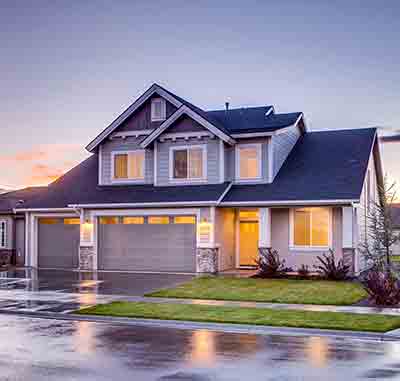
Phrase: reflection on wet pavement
(36,349)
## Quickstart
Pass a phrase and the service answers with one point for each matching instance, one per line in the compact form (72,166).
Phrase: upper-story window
(3,232)
(158,110)
(128,166)
(188,163)
(248,162)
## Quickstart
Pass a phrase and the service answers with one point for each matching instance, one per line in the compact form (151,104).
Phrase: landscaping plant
(303,271)
(269,264)
(383,287)
(331,270)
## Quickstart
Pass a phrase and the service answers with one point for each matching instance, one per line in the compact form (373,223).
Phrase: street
(37,349)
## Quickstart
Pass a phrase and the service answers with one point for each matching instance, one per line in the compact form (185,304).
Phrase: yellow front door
(248,248)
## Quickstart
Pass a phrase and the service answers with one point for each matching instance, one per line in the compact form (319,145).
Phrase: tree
(380,234)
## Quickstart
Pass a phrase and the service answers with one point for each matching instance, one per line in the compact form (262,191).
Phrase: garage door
(58,242)
(153,243)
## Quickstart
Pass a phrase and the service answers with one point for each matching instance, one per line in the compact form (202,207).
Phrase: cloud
(42,174)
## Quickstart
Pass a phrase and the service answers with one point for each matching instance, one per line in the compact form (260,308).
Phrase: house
(396,222)
(171,187)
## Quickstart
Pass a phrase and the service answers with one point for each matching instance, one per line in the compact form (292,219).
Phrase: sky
(69,68)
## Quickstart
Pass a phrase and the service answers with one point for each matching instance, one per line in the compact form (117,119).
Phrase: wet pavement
(37,349)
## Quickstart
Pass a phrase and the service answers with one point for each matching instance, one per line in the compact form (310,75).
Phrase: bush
(331,270)
(269,264)
(383,287)
(303,271)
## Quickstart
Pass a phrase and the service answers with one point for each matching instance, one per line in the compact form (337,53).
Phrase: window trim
(127,180)
(188,179)
(238,147)
(292,246)
(4,221)
(163,116)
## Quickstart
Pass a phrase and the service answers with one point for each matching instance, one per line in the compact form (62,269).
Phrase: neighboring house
(12,226)
(396,221)
(171,187)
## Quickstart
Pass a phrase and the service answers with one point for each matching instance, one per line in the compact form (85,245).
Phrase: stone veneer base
(86,257)
(207,260)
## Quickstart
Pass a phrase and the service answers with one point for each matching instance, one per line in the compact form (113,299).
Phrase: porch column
(348,246)
(87,251)
(264,226)
(207,252)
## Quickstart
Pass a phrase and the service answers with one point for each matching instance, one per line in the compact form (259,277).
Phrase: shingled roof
(12,199)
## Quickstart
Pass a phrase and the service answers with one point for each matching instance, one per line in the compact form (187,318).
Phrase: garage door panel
(150,247)
(58,245)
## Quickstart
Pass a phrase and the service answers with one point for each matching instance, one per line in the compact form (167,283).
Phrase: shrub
(303,271)
(383,287)
(269,264)
(331,270)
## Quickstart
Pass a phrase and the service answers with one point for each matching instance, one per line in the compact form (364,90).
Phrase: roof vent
(226,106)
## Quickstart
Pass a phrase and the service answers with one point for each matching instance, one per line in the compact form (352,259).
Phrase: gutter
(144,204)
(56,210)
(291,203)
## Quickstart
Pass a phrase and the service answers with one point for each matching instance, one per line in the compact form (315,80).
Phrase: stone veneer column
(86,258)
(207,260)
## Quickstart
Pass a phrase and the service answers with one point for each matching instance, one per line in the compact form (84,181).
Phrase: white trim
(293,247)
(238,147)
(163,116)
(253,135)
(185,135)
(187,180)
(221,161)
(237,238)
(145,212)
(4,221)
(199,119)
(264,227)
(155,164)
(295,203)
(44,210)
(145,204)
(132,133)
(270,148)
(127,180)
(130,110)
(100,165)
(347,227)
(228,188)
(270,110)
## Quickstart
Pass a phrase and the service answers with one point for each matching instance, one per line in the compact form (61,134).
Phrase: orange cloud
(42,174)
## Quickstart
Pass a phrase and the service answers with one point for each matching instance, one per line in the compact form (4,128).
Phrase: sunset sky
(68,68)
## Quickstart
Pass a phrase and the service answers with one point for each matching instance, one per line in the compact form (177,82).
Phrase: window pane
(195,163)
(133,220)
(248,215)
(48,221)
(180,164)
(136,167)
(185,220)
(109,220)
(249,163)
(302,233)
(163,220)
(320,227)
(72,221)
(121,166)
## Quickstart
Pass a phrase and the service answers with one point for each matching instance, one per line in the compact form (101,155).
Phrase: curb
(219,327)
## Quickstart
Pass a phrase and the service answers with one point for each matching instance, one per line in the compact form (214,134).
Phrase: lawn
(395,258)
(268,290)
(255,316)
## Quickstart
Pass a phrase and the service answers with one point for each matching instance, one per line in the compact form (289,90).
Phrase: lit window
(129,166)
(48,221)
(248,215)
(109,220)
(158,220)
(158,110)
(187,163)
(3,232)
(311,227)
(72,221)
(133,220)
(248,164)
(185,220)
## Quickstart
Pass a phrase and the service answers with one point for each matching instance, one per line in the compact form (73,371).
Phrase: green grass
(254,316)
(395,258)
(268,290)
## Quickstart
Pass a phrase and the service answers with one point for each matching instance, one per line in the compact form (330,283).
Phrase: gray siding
(128,144)
(163,152)
(282,145)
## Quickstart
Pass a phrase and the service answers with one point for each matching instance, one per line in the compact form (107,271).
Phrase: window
(72,221)
(185,220)
(248,215)
(48,221)
(187,163)
(133,220)
(158,220)
(128,165)
(311,227)
(109,220)
(3,234)
(158,110)
(248,162)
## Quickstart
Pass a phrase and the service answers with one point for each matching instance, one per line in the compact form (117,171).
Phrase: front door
(248,247)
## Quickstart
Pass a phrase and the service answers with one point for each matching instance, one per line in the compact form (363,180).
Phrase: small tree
(380,233)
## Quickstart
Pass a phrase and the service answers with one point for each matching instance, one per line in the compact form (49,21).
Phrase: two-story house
(171,187)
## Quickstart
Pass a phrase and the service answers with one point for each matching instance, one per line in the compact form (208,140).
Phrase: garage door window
(72,221)
(185,220)
(133,220)
(109,220)
(48,221)
(158,220)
